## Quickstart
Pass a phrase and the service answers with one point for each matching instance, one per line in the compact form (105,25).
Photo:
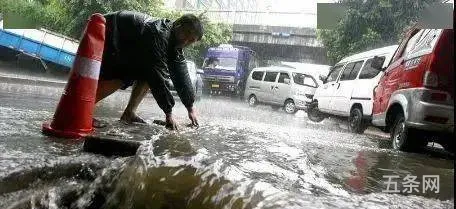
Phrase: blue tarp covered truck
(44,45)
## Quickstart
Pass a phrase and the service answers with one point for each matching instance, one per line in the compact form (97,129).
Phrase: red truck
(414,99)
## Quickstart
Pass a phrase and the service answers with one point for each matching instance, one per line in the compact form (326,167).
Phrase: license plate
(215,85)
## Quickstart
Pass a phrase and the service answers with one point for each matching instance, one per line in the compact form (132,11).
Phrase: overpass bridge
(275,36)
(278,43)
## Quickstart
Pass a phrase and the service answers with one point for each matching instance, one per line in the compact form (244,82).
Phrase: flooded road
(240,157)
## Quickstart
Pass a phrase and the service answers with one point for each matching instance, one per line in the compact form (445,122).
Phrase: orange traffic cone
(74,113)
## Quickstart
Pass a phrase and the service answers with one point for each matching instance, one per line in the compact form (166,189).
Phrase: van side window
(428,39)
(257,75)
(411,43)
(282,77)
(332,76)
(270,76)
(351,71)
(355,70)
(347,70)
(368,72)
(425,35)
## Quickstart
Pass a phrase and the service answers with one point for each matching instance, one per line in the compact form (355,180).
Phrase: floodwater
(240,157)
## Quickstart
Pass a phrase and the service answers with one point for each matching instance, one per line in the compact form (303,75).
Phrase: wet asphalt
(240,157)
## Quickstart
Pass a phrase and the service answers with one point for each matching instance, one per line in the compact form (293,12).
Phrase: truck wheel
(253,101)
(290,107)
(404,138)
(356,123)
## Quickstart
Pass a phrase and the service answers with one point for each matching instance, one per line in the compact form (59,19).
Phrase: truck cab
(226,68)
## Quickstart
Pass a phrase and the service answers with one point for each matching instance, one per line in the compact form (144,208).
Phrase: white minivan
(348,89)
(285,87)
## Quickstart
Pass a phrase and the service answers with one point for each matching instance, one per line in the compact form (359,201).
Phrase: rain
(291,113)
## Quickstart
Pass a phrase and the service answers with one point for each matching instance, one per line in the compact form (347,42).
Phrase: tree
(370,24)
(52,16)
(70,16)
(214,34)
(80,10)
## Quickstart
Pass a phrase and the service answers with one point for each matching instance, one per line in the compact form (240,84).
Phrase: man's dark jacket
(140,47)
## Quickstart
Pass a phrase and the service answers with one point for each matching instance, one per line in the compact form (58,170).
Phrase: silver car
(285,87)
(195,77)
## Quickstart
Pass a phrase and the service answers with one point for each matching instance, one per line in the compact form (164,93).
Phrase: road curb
(29,81)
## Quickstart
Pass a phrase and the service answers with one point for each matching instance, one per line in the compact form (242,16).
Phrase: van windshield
(225,63)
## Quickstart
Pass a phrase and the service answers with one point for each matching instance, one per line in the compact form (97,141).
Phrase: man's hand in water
(192,116)
(170,123)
